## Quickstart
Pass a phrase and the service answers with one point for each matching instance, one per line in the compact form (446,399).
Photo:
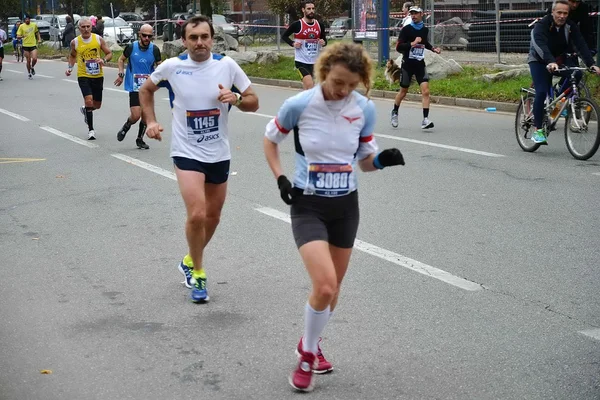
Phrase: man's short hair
(304,3)
(195,21)
(565,2)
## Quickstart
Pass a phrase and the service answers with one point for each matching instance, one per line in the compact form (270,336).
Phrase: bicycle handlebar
(566,69)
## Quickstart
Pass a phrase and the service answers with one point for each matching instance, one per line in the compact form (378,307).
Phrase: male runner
(29,32)
(85,50)
(200,103)
(143,56)
(309,37)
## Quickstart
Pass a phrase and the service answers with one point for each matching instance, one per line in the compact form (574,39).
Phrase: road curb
(388,94)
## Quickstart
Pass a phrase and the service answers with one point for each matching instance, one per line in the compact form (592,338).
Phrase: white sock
(314,323)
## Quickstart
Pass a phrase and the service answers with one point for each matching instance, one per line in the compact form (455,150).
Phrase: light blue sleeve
(288,116)
(367,144)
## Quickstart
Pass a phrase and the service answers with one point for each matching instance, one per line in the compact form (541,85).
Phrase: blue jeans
(542,81)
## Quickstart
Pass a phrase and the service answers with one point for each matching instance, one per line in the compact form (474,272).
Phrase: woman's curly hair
(353,56)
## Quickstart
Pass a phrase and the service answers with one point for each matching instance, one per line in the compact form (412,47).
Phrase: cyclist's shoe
(32,71)
(30,77)
(185,267)
(302,378)
(91,135)
(394,118)
(82,110)
(323,366)
(141,144)
(426,124)
(539,137)
(199,294)
(564,113)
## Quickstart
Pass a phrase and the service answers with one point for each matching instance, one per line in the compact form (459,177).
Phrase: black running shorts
(304,69)
(91,87)
(409,69)
(331,219)
(216,173)
(134,99)
(1,52)
(32,48)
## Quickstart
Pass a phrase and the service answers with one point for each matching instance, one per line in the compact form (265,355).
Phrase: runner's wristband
(70,68)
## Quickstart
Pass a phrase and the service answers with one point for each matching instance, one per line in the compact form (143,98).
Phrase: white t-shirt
(3,37)
(199,124)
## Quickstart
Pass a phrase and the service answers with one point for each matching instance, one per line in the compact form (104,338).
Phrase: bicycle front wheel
(582,128)
(524,127)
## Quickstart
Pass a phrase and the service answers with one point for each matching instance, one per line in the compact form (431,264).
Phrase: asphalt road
(475,275)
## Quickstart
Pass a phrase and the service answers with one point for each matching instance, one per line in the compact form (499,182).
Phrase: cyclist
(200,149)
(29,32)
(143,56)
(309,37)
(334,138)
(3,38)
(551,38)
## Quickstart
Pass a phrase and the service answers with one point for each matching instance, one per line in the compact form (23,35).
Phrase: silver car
(120,28)
(228,28)
(58,24)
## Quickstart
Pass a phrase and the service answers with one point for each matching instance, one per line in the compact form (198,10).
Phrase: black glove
(285,189)
(388,158)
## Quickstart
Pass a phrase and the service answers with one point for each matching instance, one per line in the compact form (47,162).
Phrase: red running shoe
(323,366)
(302,378)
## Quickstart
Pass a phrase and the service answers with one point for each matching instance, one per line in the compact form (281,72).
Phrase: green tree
(325,8)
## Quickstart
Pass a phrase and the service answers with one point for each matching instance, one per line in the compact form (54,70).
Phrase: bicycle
(582,127)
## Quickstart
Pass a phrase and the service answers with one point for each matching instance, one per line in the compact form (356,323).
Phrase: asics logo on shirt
(182,72)
(206,138)
(350,119)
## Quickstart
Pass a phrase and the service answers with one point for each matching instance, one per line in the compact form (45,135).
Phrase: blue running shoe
(199,294)
(186,266)
(539,136)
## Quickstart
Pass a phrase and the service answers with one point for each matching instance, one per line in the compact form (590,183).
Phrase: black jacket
(68,34)
(549,42)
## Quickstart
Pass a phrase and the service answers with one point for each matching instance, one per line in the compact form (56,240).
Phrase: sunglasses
(146,36)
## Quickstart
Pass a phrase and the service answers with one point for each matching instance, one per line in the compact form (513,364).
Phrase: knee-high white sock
(314,323)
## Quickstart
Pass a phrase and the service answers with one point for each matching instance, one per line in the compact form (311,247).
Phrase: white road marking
(12,114)
(72,138)
(16,72)
(596,173)
(146,166)
(394,258)
(70,80)
(443,146)
(261,115)
(43,76)
(593,333)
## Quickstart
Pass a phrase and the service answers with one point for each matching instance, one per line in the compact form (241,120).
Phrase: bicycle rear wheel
(524,127)
(582,128)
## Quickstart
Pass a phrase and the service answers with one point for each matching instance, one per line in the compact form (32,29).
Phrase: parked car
(124,32)
(130,17)
(58,24)
(339,27)
(228,28)
(11,24)
(43,23)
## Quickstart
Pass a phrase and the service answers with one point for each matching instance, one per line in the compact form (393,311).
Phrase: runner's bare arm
(106,50)
(249,101)
(147,101)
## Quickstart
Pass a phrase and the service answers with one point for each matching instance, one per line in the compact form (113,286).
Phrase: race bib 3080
(328,180)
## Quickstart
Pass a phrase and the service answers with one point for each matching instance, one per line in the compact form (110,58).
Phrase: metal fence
(467,30)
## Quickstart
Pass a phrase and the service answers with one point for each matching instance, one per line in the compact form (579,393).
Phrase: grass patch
(464,85)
